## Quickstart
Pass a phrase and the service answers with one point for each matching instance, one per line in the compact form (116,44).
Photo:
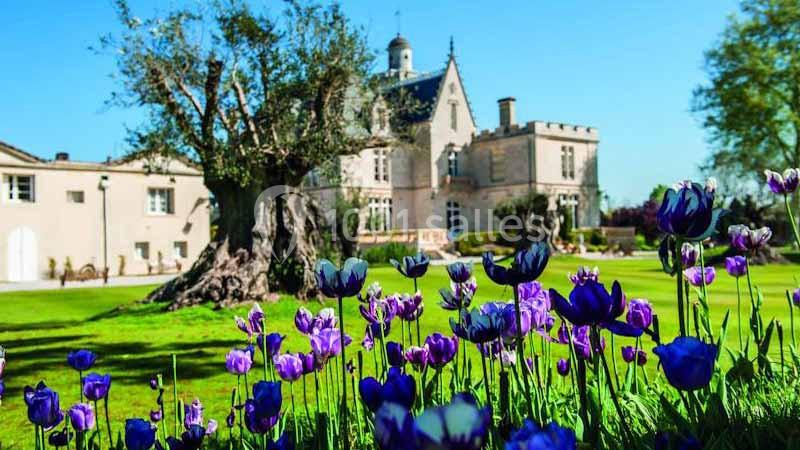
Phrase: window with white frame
(380,214)
(180,250)
(141,251)
(567,162)
(76,197)
(19,188)
(452,162)
(570,204)
(381,164)
(160,201)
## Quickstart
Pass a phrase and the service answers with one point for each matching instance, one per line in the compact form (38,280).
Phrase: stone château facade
(456,170)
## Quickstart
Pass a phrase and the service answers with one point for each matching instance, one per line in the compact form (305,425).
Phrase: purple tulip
(238,362)
(441,349)
(289,367)
(326,344)
(410,307)
(395,354)
(303,320)
(582,342)
(747,240)
(641,358)
(689,254)
(640,313)
(628,354)
(563,333)
(156,415)
(231,419)
(274,341)
(796,297)
(2,388)
(583,275)
(369,341)
(377,310)
(154,383)
(193,414)
(562,366)
(80,360)
(687,211)
(255,319)
(81,416)
(325,318)
(95,386)
(736,266)
(591,304)
(695,276)
(785,183)
(417,356)
(309,362)
(43,406)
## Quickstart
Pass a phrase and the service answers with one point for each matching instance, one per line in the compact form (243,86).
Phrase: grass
(135,341)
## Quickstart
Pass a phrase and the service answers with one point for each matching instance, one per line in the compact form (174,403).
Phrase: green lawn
(135,341)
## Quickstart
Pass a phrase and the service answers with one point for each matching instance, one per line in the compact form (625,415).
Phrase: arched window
(452,162)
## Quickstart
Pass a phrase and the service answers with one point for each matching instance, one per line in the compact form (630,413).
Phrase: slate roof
(425,89)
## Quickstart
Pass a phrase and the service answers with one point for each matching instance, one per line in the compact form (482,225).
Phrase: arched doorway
(22,255)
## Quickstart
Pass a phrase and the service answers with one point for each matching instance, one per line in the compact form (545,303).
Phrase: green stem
(108,421)
(791,220)
(791,315)
(679,284)
(175,390)
(521,353)
(345,437)
(739,314)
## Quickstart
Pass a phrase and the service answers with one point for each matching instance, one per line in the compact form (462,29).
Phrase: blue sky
(625,67)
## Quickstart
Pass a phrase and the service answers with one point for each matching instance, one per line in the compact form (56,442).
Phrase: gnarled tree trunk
(265,239)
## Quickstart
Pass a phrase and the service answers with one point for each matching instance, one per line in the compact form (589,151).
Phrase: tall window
(19,188)
(452,163)
(497,165)
(570,204)
(567,162)
(380,214)
(160,201)
(381,165)
(454,116)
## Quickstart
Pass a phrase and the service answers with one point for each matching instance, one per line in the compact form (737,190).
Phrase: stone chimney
(62,156)
(508,114)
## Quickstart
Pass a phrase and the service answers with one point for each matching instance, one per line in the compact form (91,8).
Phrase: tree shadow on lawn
(129,363)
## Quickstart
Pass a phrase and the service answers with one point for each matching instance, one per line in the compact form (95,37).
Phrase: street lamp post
(104,185)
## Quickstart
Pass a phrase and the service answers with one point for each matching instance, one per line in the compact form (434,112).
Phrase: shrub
(380,254)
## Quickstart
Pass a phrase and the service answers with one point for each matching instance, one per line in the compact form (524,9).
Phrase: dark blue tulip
(283,443)
(96,386)
(398,388)
(395,354)
(562,366)
(43,407)
(139,434)
(688,362)
(267,399)
(274,341)
(670,441)
(394,428)
(412,266)
(590,304)
(346,282)
(459,272)
(60,438)
(460,425)
(2,388)
(255,423)
(191,439)
(550,437)
(478,326)
(687,211)
(81,360)
(528,264)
